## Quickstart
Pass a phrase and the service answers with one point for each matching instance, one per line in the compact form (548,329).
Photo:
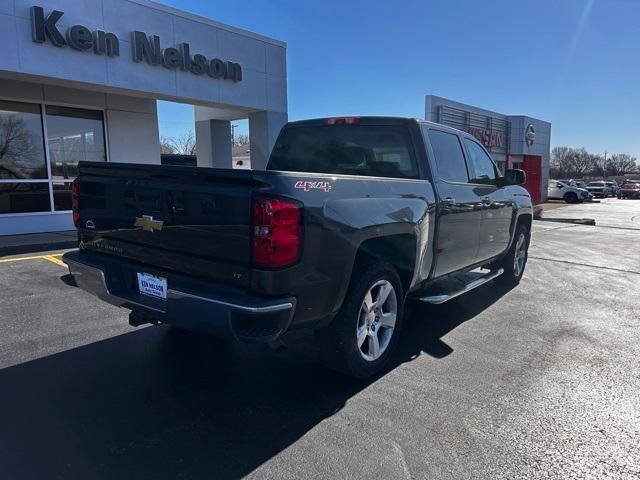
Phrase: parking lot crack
(403,462)
(569,262)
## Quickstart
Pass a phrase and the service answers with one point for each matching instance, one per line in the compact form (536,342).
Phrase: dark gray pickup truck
(352,216)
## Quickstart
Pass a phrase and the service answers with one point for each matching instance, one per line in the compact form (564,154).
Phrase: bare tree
(567,162)
(242,139)
(620,164)
(166,147)
(185,144)
(561,162)
(581,162)
(21,154)
(599,164)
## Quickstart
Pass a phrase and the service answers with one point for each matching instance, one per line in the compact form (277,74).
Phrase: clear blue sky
(575,63)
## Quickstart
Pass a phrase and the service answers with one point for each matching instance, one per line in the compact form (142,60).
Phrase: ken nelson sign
(144,48)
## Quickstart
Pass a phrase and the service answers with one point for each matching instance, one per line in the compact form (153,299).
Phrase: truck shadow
(157,403)
(427,324)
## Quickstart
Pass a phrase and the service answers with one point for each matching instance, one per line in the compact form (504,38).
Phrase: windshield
(596,184)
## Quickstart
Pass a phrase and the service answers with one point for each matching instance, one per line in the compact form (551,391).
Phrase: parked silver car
(613,187)
(599,189)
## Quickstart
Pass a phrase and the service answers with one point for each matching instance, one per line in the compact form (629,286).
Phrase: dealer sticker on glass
(152,285)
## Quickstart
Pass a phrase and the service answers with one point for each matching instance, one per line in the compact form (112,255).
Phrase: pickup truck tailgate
(145,213)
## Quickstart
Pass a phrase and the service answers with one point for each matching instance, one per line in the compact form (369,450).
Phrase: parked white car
(559,190)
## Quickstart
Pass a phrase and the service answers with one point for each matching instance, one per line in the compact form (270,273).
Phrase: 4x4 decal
(306,186)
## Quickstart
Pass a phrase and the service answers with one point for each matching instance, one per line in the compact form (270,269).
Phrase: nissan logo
(530,135)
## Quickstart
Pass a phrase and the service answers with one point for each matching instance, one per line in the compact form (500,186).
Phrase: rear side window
(377,151)
(448,156)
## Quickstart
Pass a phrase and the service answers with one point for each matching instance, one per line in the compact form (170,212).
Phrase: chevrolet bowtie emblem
(148,223)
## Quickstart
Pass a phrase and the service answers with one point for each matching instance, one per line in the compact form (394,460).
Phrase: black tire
(571,197)
(338,342)
(511,277)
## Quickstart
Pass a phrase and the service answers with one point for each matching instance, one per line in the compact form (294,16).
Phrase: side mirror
(513,177)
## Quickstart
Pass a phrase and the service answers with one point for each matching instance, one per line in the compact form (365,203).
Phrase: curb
(575,221)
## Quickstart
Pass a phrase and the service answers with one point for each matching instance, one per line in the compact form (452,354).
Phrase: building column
(213,143)
(264,128)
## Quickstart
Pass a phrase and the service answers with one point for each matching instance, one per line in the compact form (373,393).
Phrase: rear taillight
(276,232)
(75,202)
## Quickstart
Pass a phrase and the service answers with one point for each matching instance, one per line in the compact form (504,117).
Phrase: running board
(445,297)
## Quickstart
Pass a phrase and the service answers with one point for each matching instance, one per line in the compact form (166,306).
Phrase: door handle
(487,201)
(449,201)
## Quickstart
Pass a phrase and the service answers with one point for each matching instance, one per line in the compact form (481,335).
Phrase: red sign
(489,139)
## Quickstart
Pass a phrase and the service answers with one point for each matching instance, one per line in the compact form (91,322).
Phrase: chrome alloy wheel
(520,255)
(377,320)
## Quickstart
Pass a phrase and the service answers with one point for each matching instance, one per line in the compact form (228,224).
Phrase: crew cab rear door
(459,204)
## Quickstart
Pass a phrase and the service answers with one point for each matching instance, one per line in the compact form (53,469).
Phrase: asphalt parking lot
(542,381)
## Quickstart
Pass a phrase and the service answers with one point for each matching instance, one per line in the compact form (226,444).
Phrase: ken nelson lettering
(144,48)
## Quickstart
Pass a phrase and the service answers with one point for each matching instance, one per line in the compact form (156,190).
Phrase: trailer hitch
(137,318)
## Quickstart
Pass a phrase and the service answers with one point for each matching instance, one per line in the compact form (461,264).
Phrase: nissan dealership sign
(145,48)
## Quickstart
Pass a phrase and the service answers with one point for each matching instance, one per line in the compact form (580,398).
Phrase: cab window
(377,151)
(483,167)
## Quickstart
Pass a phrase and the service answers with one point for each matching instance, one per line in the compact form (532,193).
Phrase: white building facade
(79,80)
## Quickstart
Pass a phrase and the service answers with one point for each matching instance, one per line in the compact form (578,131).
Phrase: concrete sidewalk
(37,242)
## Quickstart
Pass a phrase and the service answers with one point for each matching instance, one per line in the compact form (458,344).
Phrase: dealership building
(514,141)
(79,80)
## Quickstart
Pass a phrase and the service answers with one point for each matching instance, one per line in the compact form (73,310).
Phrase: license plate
(152,285)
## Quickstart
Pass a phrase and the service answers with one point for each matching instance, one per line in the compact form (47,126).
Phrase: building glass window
(24,197)
(21,142)
(73,135)
(61,196)
(27,183)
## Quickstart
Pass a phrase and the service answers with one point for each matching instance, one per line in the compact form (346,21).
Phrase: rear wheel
(571,197)
(515,260)
(360,340)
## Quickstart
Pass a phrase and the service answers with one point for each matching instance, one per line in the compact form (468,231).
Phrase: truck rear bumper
(191,304)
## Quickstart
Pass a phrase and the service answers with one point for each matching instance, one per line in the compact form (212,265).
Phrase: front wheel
(360,340)
(515,260)
(571,197)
